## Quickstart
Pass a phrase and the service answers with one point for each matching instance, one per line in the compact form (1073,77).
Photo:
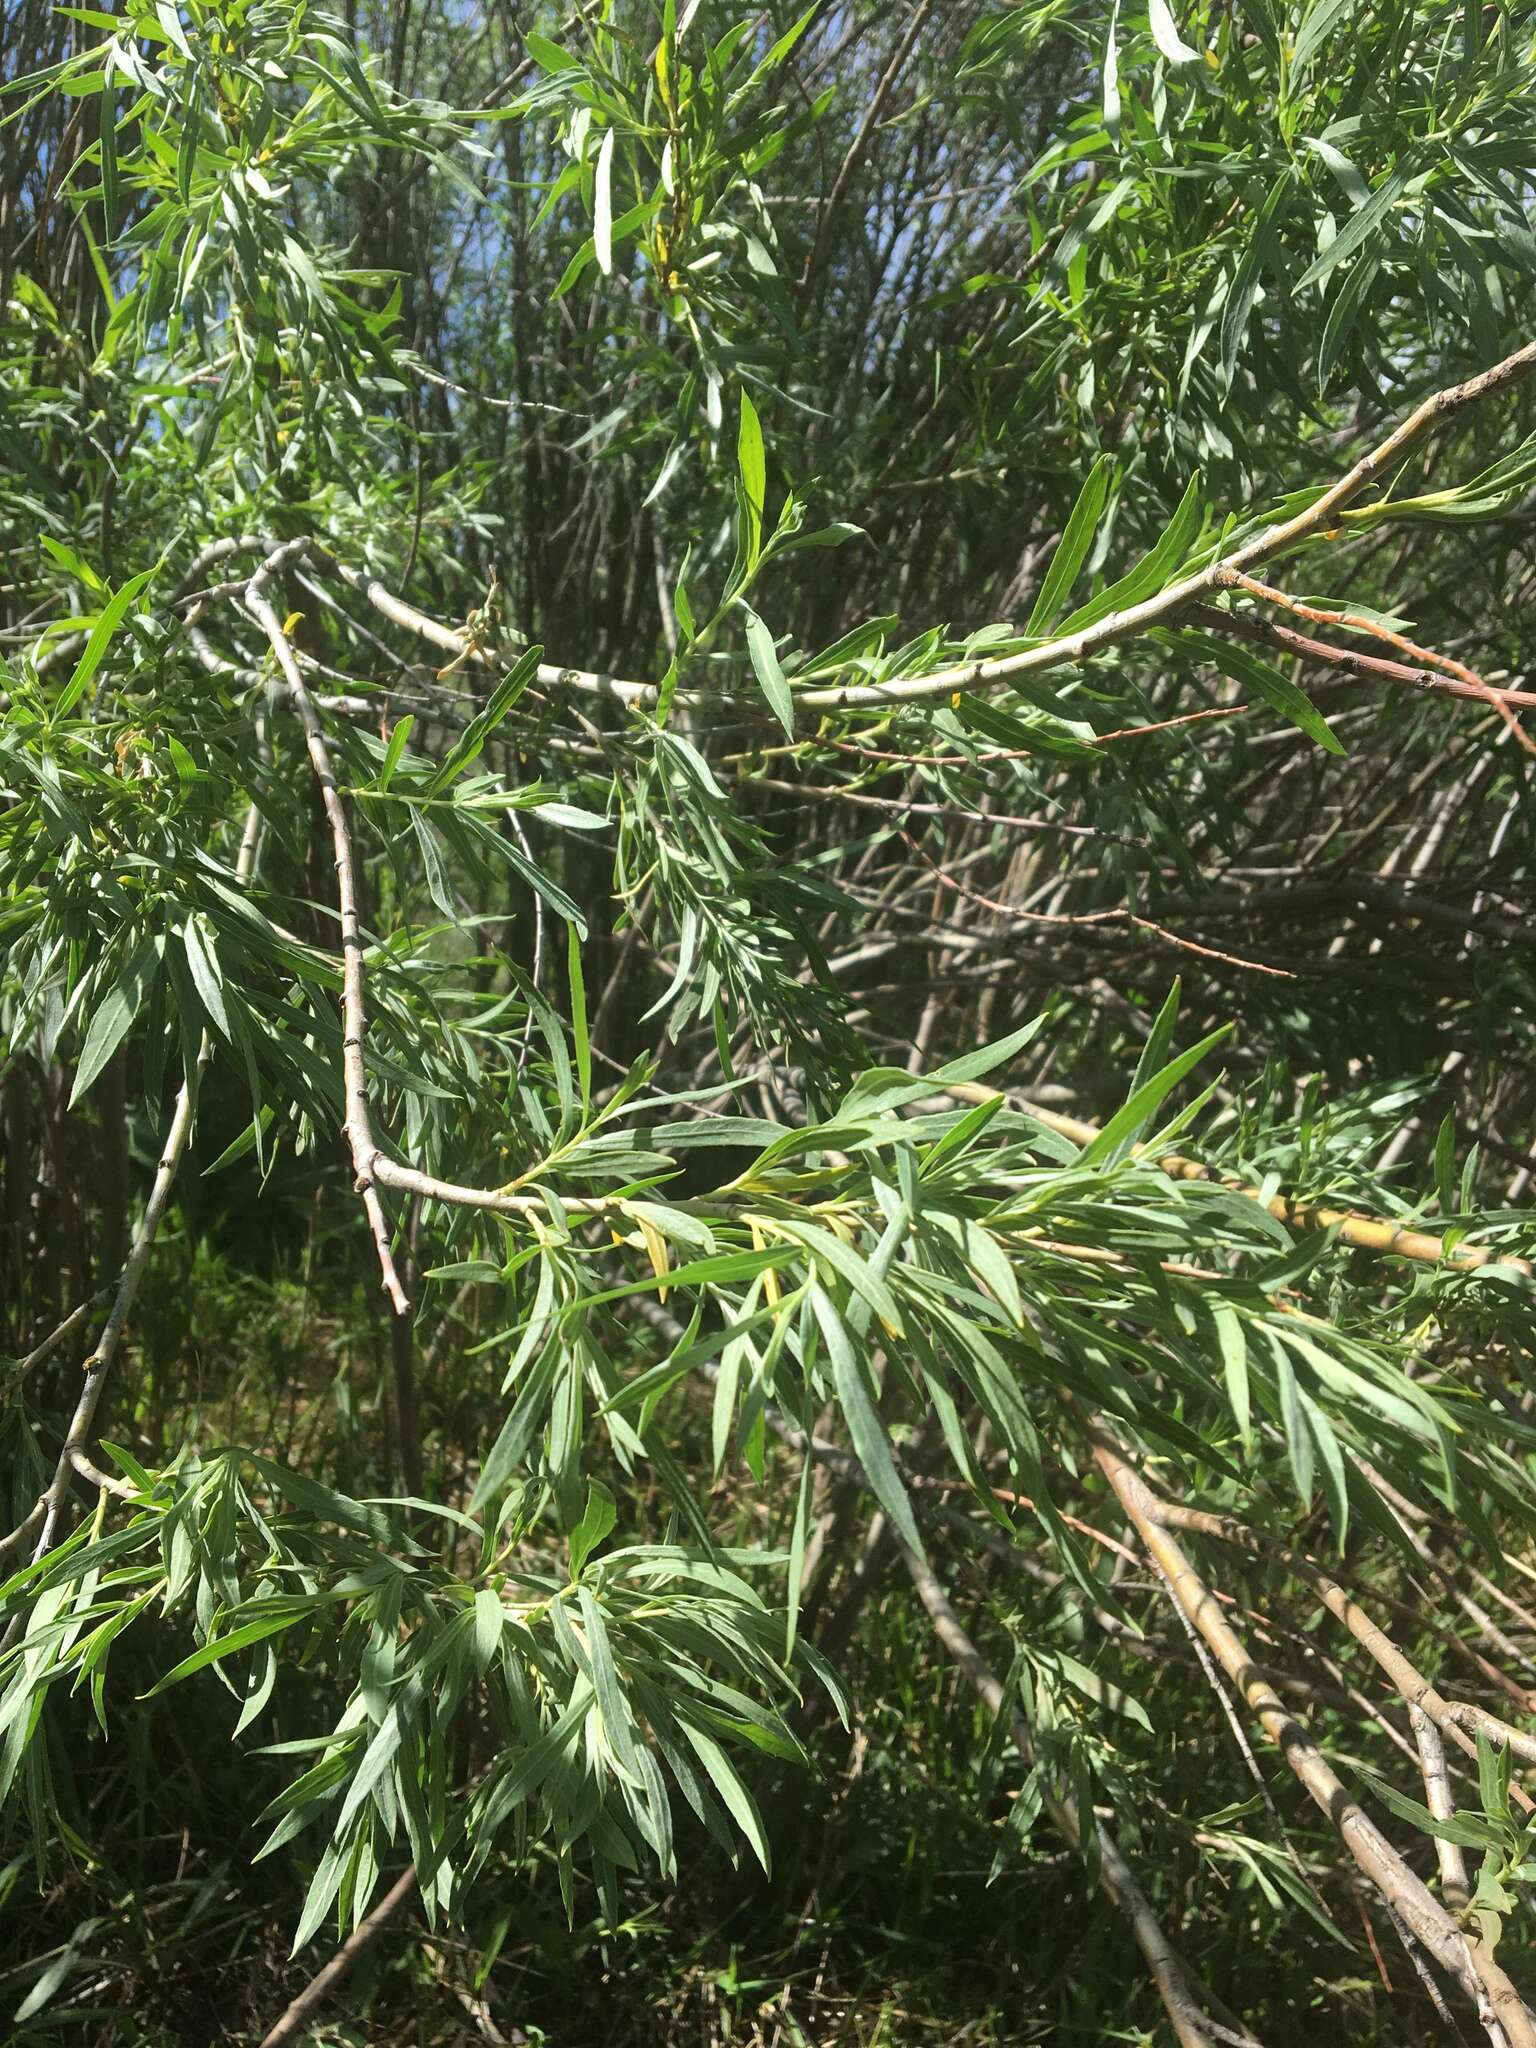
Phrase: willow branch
(1069,650)
(1367,667)
(1461,1720)
(354,1013)
(73,1458)
(1190,2024)
(1370,1233)
(1427,1919)
(1374,668)
(70,1327)
(1454,1888)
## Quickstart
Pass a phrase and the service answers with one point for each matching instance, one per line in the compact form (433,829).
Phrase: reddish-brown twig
(1455,672)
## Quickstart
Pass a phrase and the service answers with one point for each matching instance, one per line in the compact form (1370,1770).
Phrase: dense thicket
(766,894)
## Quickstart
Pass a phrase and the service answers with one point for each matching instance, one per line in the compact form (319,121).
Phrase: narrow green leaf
(1493,1773)
(490,1621)
(1072,549)
(1117,1137)
(1244,289)
(866,1432)
(1255,674)
(394,750)
(1101,1691)
(1330,1464)
(860,1273)
(382,1747)
(170,22)
(110,618)
(738,1801)
(799,1536)
(1471,1831)
(241,1638)
(1166,35)
(539,1759)
(206,978)
(1321,20)
(765,661)
(113,1018)
(481,727)
(1154,1053)
(753,466)
(1371,223)
(1112,74)
(596,1525)
(73,564)
(1298,1438)
(1159,567)
(109,176)
(1234,1363)
(974,1066)
(961,1134)
(580,1039)
(547,55)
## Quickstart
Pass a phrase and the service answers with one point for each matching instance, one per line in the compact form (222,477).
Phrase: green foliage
(581,591)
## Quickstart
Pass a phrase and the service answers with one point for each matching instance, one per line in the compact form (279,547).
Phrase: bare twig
(1355,622)
(1368,667)
(1434,671)
(1460,1720)
(341,1965)
(67,1329)
(855,151)
(1090,917)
